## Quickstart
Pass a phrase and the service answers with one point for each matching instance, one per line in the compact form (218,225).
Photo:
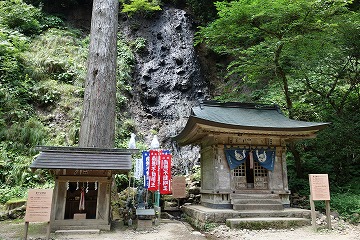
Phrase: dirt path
(303,233)
(178,230)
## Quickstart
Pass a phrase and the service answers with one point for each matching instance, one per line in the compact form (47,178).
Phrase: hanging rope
(82,200)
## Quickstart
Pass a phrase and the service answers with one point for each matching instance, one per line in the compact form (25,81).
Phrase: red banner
(153,170)
(165,173)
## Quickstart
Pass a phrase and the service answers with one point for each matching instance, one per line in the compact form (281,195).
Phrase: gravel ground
(178,230)
(347,232)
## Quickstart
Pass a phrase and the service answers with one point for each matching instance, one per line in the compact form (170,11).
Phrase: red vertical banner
(165,173)
(153,170)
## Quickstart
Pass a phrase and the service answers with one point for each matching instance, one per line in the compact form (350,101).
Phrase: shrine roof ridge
(212,103)
(88,150)
(51,157)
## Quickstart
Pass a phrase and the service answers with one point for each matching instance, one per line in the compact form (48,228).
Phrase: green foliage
(121,181)
(35,72)
(142,6)
(8,193)
(23,136)
(302,55)
(339,149)
(197,7)
(25,18)
(138,45)
(126,63)
(196,173)
(59,55)
(288,44)
(20,16)
(209,226)
(348,205)
(46,93)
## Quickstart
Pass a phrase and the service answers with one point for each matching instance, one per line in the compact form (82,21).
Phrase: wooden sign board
(38,206)
(178,187)
(319,187)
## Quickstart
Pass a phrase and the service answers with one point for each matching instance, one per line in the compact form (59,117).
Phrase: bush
(7,193)
(46,93)
(20,16)
(142,6)
(347,205)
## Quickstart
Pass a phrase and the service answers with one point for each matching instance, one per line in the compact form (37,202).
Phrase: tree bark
(98,118)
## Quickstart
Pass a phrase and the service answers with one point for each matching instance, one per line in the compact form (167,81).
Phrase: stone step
(254,196)
(258,207)
(78,231)
(266,223)
(255,201)
(272,213)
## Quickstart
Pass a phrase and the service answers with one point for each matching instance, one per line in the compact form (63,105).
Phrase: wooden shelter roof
(83,158)
(243,118)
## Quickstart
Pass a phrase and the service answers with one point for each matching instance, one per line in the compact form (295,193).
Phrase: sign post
(38,208)
(319,190)
(179,187)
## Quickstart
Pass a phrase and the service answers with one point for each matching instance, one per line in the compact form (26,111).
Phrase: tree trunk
(297,159)
(289,104)
(279,71)
(98,119)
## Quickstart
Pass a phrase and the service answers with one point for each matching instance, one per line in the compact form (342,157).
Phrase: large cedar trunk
(98,119)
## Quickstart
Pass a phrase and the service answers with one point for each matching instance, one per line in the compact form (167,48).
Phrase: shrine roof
(83,158)
(243,116)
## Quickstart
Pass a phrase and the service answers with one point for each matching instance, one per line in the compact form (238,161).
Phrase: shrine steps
(256,202)
(199,216)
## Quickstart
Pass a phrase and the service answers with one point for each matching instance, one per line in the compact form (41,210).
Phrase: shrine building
(83,178)
(243,153)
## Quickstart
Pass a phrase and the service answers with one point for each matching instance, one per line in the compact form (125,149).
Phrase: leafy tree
(262,36)
(296,48)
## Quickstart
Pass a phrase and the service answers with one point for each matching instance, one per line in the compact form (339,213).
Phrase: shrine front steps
(200,216)
(256,202)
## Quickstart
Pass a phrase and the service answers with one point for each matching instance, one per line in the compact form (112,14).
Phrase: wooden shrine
(83,178)
(243,153)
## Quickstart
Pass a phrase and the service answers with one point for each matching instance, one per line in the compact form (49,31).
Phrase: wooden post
(313,213)
(26,230)
(328,218)
(48,231)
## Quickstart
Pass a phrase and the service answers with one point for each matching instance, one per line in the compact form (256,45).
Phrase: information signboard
(319,187)
(179,187)
(319,190)
(38,206)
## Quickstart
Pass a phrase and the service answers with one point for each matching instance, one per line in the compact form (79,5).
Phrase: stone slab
(144,224)
(266,223)
(199,215)
(80,231)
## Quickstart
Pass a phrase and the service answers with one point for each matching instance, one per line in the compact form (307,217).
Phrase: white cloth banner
(138,168)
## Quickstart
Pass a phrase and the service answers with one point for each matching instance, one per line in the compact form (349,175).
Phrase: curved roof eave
(194,123)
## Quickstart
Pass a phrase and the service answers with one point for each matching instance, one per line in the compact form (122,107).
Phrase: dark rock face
(167,81)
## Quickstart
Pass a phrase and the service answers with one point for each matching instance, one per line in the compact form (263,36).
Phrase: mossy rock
(14,203)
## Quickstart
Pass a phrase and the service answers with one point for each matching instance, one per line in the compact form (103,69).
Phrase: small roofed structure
(83,178)
(243,152)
